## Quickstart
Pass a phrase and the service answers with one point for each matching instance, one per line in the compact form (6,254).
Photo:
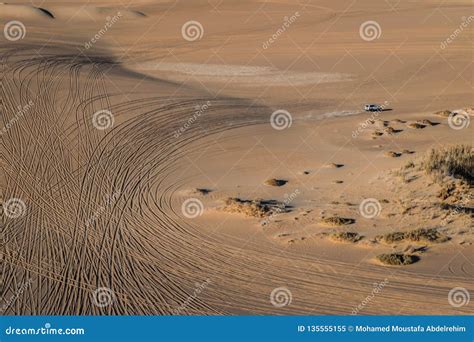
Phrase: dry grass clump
(456,161)
(254,208)
(398,121)
(392,154)
(416,125)
(425,235)
(334,165)
(427,122)
(457,209)
(417,235)
(381,123)
(397,259)
(447,190)
(455,192)
(202,191)
(377,133)
(337,221)
(444,113)
(394,237)
(346,237)
(275,182)
(390,130)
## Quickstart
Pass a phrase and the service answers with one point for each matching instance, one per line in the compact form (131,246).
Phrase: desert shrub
(275,182)
(409,165)
(417,235)
(424,234)
(255,208)
(456,161)
(444,113)
(346,236)
(392,154)
(416,125)
(337,221)
(397,259)
(394,237)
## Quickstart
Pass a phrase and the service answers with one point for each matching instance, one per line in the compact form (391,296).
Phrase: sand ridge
(66,13)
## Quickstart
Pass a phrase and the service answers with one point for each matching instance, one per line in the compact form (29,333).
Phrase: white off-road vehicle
(372,108)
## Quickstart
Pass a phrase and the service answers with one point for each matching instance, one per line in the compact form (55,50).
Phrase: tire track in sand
(75,239)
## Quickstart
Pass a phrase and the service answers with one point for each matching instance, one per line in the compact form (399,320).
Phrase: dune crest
(9,11)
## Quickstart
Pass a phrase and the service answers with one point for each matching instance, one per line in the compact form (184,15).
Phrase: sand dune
(118,157)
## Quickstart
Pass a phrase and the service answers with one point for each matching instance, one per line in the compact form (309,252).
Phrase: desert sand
(208,157)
